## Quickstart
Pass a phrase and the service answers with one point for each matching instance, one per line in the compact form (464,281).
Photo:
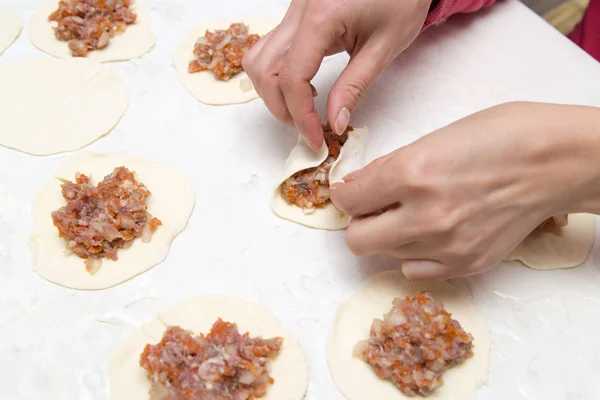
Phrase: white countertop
(55,342)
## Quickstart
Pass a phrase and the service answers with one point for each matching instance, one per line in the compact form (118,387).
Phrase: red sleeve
(446,8)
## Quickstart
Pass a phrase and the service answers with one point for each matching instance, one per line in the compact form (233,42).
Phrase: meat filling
(414,345)
(221,51)
(89,25)
(558,221)
(221,365)
(97,221)
(309,188)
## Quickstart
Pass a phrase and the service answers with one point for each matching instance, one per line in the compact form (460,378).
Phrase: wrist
(586,132)
(566,143)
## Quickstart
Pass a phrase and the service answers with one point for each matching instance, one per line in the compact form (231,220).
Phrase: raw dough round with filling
(357,380)
(10,27)
(172,201)
(136,41)
(49,106)
(128,380)
(554,247)
(203,85)
(351,158)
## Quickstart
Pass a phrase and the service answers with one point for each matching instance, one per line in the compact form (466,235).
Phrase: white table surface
(55,342)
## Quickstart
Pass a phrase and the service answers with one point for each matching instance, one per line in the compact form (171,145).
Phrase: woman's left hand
(460,199)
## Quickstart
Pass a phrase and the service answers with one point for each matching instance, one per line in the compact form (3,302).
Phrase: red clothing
(586,35)
(446,8)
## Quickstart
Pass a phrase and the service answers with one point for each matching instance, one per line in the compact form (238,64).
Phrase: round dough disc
(556,247)
(136,41)
(128,380)
(203,85)
(356,379)
(49,106)
(172,201)
(10,27)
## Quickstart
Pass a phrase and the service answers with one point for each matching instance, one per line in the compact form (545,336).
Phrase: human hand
(457,201)
(282,64)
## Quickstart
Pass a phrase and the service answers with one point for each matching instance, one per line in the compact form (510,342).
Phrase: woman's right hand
(282,64)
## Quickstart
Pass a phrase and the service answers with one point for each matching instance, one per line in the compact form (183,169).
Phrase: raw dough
(302,157)
(172,201)
(48,106)
(356,379)
(136,41)
(10,27)
(128,380)
(554,247)
(203,85)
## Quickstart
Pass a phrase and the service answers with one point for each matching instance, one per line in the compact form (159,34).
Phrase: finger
(377,234)
(273,98)
(411,250)
(368,62)
(263,60)
(261,69)
(419,270)
(251,55)
(300,65)
(368,190)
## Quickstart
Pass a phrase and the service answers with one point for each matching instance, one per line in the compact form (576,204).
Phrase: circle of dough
(172,201)
(357,380)
(10,27)
(557,248)
(128,380)
(48,106)
(203,85)
(136,41)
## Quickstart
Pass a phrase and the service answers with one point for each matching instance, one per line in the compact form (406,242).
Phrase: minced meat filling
(309,188)
(221,51)
(414,345)
(89,25)
(97,221)
(219,366)
(558,221)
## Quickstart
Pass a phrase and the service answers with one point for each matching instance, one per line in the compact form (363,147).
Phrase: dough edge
(10,29)
(357,381)
(290,370)
(558,248)
(113,88)
(302,157)
(172,207)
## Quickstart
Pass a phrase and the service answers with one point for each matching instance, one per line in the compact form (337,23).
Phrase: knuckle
(286,77)
(354,88)
(443,218)
(384,169)
(416,169)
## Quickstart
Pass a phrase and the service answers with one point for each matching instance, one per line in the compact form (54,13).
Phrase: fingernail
(342,120)
(352,176)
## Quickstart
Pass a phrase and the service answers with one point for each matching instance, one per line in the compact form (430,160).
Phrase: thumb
(421,270)
(364,66)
